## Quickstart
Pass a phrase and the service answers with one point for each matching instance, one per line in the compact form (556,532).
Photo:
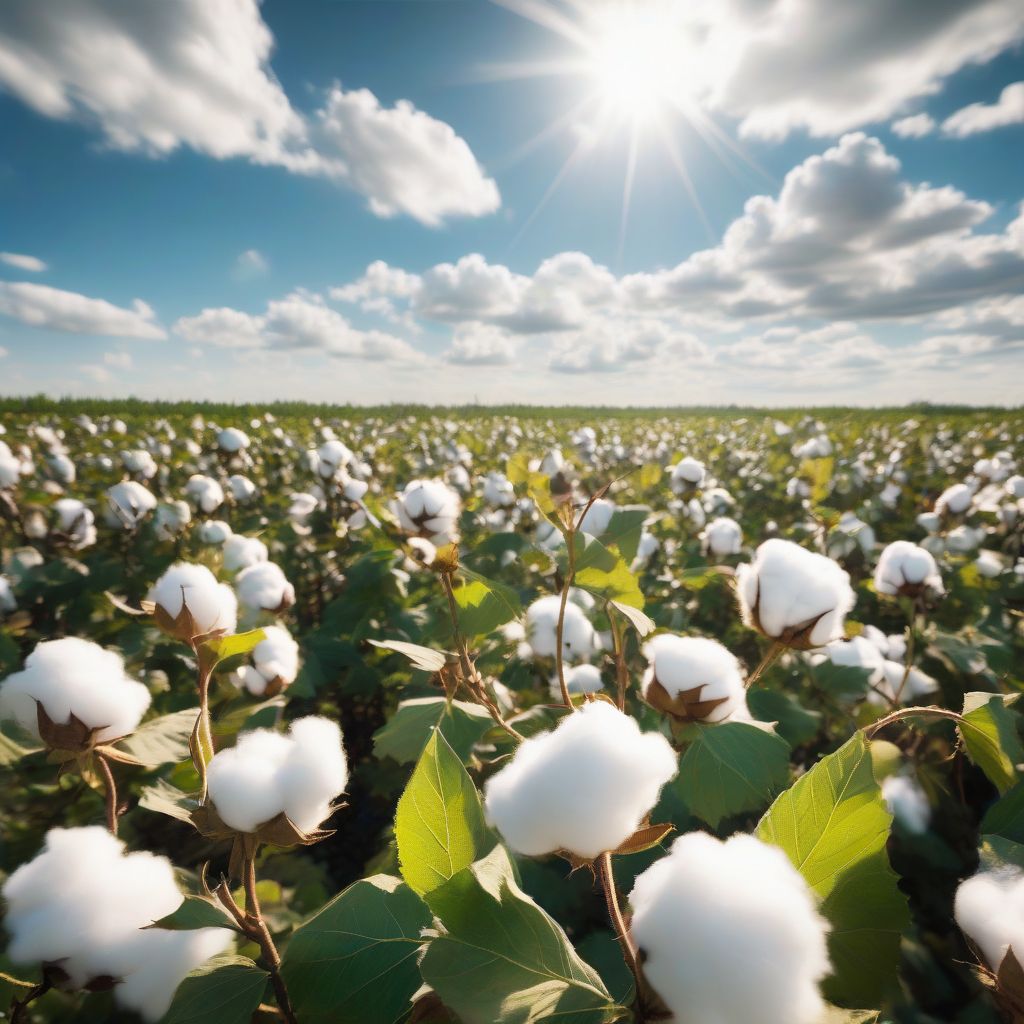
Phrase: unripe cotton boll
(204,492)
(128,504)
(214,531)
(190,602)
(723,536)
(693,679)
(954,500)
(240,552)
(578,679)
(989,908)
(794,596)
(275,663)
(264,587)
(906,570)
(687,475)
(75,679)
(542,629)
(266,774)
(85,905)
(232,440)
(429,509)
(584,787)
(729,932)
(171,519)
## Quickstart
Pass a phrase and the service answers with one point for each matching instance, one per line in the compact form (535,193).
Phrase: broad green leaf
(795,723)
(406,733)
(833,825)
(12,751)
(989,731)
(484,604)
(224,990)
(1006,816)
(818,473)
(604,573)
(196,912)
(995,852)
(422,657)
(844,682)
(440,825)
(503,960)
(231,646)
(624,529)
(730,768)
(162,740)
(164,798)
(354,961)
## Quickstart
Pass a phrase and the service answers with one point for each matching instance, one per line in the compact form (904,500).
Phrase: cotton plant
(273,664)
(128,504)
(429,509)
(190,603)
(579,640)
(263,588)
(686,476)
(205,493)
(722,537)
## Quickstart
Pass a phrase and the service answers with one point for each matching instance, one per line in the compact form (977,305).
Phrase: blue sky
(192,195)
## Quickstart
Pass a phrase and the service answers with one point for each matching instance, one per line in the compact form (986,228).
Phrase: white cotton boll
(730,933)
(578,679)
(76,521)
(214,531)
(232,440)
(171,519)
(858,652)
(275,659)
(584,787)
(794,595)
(890,495)
(645,550)
(686,475)
(204,492)
(1015,486)
(989,564)
(896,647)
(963,539)
(212,605)
(62,468)
(267,773)
(542,629)
(905,568)
(301,508)
(700,680)
(8,602)
(989,908)
(877,638)
(75,677)
(498,490)
(429,509)
(264,587)
(553,463)
(128,504)
(140,462)
(954,500)
(240,552)
(723,536)
(331,457)
(930,522)
(10,470)
(242,488)
(892,685)
(907,803)
(597,518)
(85,904)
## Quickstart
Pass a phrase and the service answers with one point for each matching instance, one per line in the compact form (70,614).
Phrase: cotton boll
(730,933)
(597,518)
(793,595)
(907,803)
(989,564)
(204,492)
(429,509)
(240,552)
(498,490)
(232,440)
(211,605)
(264,587)
(989,908)
(896,688)
(242,488)
(8,602)
(542,629)
(1015,486)
(315,773)
(954,500)
(692,678)
(585,787)
(275,662)
(687,474)
(171,519)
(62,469)
(578,679)
(75,677)
(907,570)
(963,539)
(930,522)
(140,462)
(330,458)
(76,522)
(723,536)
(128,504)
(85,905)
(858,652)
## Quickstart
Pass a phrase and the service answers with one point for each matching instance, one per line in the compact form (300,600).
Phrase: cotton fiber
(907,803)
(578,679)
(430,509)
(264,587)
(204,492)
(693,678)
(989,908)
(275,662)
(128,504)
(212,605)
(906,569)
(723,536)
(240,552)
(542,629)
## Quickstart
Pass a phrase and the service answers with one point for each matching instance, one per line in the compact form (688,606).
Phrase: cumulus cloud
(984,117)
(52,309)
(21,261)
(917,126)
(250,264)
(154,78)
(613,347)
(481,345)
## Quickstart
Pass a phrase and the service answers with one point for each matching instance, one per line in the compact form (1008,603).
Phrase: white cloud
(3,352)
(21,261)
(250,264)
(41,306)
(119,360)
(97,374)
(478,344)
(298,321)
(917,126)
(612,347)
(154,77)
(984,117)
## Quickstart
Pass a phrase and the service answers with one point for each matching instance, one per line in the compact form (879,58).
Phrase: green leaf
(995,852)
(1006,816)
(224,990)
(641,622)
(440,825)
(844,682)
(796,724)
(162,740)
(989,732)
(536,484)
(604,573)
(11,751)
(164,798)
(484,604)
(354,961)
(624,529)
(423,658)
(406,733)
(231,646)
(730,768)
(196,912)
(503,960)
(833,825)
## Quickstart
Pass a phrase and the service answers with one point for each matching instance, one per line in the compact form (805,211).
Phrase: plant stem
(896,716)
(619,650)
(629,953)
(769,659)
(570,547)
(909,657)
(19,1007)
(110,790)
(260,934)
(202,734)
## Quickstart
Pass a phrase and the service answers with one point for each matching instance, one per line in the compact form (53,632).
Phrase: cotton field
(324,715)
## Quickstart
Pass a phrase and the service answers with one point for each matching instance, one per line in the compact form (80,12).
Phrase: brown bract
(797,637)
(685,706)
(644,838)
(58,978)
(182,626)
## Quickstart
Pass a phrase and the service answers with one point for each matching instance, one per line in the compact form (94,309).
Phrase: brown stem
(629,952)
(110,791)
(260,934)
(19,1007)
(896,716)
(769,659)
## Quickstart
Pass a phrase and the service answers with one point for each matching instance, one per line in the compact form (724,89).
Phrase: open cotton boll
(964,538)
(907,803)
(793,595)
(692,678)
(84,904)
(267,773)
(242,488)
(140,462)
(62,469)
(498,490)
(240,552)
(429,509)
(275,662)
(542,629)
(584,787)
(907,569)
(1015,486)
(211,605)
(686,475)
(214,531)
(578,679)
(331,457)
(264,587)
(954,500)
(723,536)
(171,519)
(8,602)
(893,686)
(989,908)
(76,522)
(128,503)
(204,492)
(730,933)
(75,677)
(989,564)
(231,440)
(597,518)
(858,652)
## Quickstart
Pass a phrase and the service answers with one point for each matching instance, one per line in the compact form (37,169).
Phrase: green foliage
(162,740)
(411,726)
(197,912)
(224,990)
(989,731)
(484,604)
(603,573)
